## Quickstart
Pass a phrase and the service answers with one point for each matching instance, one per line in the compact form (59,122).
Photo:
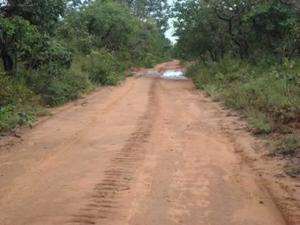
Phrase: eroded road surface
(149,152)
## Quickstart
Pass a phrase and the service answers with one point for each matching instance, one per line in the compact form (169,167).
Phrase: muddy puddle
(168,74)
(173,74)
(170,70)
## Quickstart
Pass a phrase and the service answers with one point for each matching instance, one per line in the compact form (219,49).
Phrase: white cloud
(170,32)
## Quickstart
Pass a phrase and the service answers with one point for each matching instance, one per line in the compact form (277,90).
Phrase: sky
(170,31)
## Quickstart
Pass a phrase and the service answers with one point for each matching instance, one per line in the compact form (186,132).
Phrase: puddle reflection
(174,74)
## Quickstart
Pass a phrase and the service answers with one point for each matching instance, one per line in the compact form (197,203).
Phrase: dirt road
(149,152)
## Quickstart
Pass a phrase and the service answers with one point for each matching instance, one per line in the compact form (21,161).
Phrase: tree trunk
(7,61)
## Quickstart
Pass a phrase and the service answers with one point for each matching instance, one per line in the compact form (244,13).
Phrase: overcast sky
(169,33)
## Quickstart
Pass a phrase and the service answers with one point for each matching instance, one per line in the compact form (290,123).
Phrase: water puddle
(174,75)
(171,74)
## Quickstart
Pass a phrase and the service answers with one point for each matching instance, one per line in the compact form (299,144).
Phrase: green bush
(12,116)
(13,92)
(259,123)
(16,104)
(8,118)
(21,96)
(103,69)
(57,85)
(149,60)
(68,87)
(292,170)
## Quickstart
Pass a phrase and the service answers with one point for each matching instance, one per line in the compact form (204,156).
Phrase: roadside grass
(12,116)
(288,145)
(292,170)
(267,94)
(259,123)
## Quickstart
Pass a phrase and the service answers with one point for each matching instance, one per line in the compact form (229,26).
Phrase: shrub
(288,145)
(259,123)
(103,69)
(292,170)
(13,92)
(149,60)
(12,116)
(66,88)
(57,85)
(212,90)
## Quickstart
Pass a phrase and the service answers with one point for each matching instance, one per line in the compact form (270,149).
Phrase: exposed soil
(149,152)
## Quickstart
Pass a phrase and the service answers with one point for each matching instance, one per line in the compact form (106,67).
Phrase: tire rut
(104,203)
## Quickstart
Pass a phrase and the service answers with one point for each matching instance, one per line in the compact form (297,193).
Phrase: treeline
(246,54)
(52,51)
(247,29)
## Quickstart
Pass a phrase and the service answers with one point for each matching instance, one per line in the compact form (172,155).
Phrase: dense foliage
(246,29)
(157,10)
(52,51)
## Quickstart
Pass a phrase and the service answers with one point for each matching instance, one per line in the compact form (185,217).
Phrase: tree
(200,32)
(112,26)
(247,28)
(23,19)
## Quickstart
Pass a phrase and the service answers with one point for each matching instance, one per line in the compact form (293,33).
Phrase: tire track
(104,203)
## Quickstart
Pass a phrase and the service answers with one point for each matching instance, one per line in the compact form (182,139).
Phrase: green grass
(259,123)
(288,145)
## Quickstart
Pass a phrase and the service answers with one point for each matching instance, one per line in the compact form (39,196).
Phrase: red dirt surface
(149,152)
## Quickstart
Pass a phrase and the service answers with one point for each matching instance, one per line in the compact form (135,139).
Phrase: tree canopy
(246,28)
(31,28)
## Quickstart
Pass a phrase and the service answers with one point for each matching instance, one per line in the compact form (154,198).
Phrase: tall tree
(22,21)
(157,10)
(247,28)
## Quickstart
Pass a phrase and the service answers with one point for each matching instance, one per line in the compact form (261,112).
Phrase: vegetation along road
(174,159)
(150,112)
